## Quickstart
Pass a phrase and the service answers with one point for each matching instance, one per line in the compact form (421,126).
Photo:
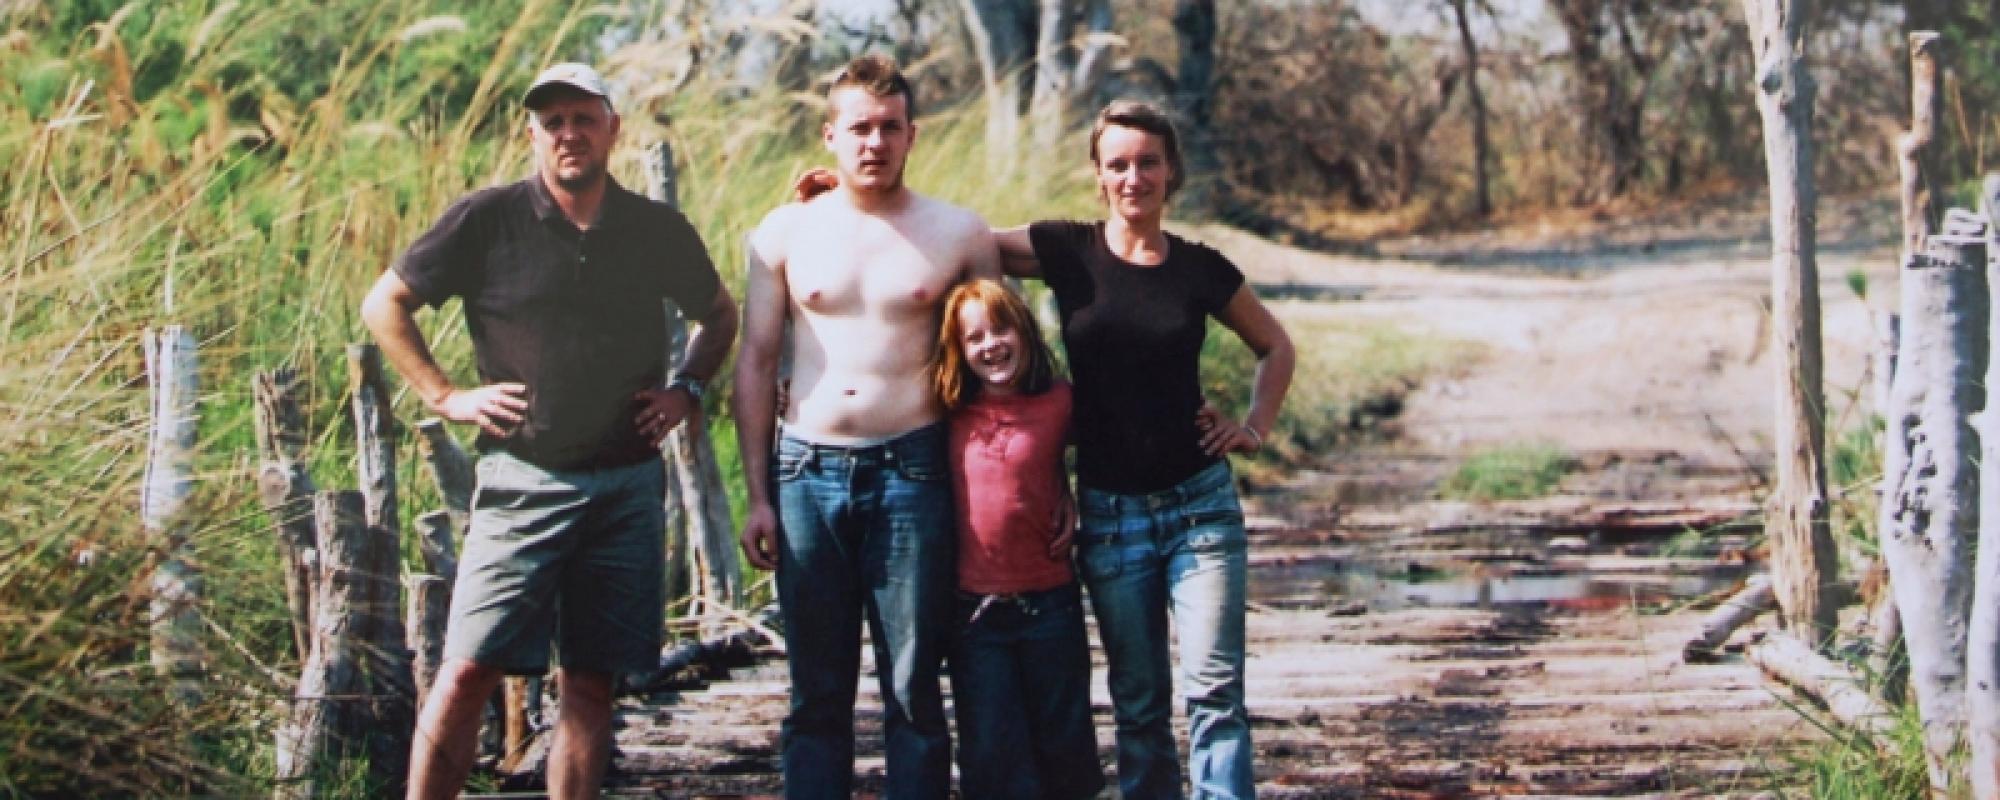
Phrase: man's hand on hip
(661,410)
(496,408)
(760,537)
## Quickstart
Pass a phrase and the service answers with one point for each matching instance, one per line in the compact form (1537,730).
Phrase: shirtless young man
(854,510)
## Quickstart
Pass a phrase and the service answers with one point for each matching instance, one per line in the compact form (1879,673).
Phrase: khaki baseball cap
(571,74)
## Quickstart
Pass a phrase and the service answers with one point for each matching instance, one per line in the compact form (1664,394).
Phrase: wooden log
(1755,598)
(430,601)
(393,709)
(1982,693)
(286,491)
(448,465)
(1828,683)
(1914,151)
(727,648)
(710,529)
(174,612)
(440,552)
(1929,504)
(514,744)
(1803,561)
(329,709)
(704,502)
(1888,337)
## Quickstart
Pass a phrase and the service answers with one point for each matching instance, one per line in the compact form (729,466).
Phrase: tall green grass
(247,170)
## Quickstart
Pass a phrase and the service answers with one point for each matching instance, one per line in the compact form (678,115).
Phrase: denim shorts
(575,555)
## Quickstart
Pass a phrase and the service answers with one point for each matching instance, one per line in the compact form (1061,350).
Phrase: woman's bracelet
(1254,434)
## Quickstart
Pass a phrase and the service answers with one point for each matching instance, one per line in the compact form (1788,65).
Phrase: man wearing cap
(562,277)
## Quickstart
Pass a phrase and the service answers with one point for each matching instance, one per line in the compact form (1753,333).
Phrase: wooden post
(328,711)
(435,543)
(169,481)
(1913,149)
(448,465)
(430,601)
(1929,515)
(286,491)
(514,745)
(1982,694)
(704,502)
(1804,564)
(381,625)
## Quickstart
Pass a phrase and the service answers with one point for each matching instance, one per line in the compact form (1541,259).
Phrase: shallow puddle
(1349,586)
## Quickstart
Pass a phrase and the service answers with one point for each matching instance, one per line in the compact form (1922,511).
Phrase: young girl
(1020,664)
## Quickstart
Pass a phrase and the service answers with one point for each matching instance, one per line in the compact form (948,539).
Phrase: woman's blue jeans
(869,534)
(1182,550)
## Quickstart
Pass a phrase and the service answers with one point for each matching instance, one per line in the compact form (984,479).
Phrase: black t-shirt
(575,315)
(1133,335)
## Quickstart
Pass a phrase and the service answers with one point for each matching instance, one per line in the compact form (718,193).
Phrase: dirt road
(1403,646)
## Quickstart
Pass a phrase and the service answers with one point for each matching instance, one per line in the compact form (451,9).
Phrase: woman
(1162,529)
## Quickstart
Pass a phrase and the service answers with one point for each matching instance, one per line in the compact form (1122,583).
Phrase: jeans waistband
(927,436)
(1033,602)
(1214,476)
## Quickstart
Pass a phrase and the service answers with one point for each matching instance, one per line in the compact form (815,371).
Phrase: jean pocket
(1102,562)
(920,465)
(791,464)
(1213,517)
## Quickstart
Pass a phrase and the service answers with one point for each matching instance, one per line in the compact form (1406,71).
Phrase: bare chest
(871,268)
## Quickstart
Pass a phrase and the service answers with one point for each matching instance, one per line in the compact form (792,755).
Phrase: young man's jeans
(868,533)
(1185,549)
(1020,684)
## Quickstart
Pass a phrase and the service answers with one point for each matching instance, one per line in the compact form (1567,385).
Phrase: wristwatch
(693,385)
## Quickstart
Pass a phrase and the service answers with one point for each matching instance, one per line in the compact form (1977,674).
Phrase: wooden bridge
(1585,696)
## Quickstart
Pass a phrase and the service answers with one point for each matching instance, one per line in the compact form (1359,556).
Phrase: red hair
(952,377)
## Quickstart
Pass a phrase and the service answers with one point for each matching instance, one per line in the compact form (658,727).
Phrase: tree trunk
(1094,56)
(1982,694)
(1482,147)
(1194,88)
(1929,514)
(1003,39)
(169,481)
(1803,560)
(1055,66)
(286,491)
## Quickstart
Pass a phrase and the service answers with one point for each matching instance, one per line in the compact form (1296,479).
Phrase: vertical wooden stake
(430,601)
(329,709)
(1803,560)
(711,530)
(1929,504)
(286,491)
(1982,693)
(169,481)
(394,717)
(448,465)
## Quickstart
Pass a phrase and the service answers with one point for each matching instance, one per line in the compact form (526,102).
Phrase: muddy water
(1350,586)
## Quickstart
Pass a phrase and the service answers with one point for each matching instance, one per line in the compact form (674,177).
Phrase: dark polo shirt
(576,316)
